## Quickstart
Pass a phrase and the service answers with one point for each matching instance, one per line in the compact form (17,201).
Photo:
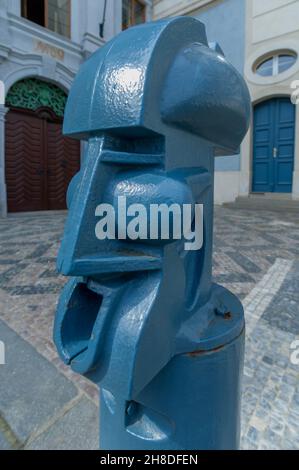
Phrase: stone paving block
(76,430)
(245,263)
(31,388)
(233,277)
(283,312)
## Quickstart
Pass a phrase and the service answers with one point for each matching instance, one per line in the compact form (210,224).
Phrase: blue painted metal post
(142,318)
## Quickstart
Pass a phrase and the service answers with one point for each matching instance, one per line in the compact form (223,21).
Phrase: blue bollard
(142,318)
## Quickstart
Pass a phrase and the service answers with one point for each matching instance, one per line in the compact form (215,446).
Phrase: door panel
(63,162)
(40,163)
(263,147)
(24,166)
(284,142)
(273,153)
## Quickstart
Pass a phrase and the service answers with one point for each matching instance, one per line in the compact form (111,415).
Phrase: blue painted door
(273,150)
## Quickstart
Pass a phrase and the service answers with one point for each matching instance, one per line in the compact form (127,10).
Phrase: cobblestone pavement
(44,405)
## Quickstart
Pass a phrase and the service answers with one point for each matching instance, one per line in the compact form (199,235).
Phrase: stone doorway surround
(50,74)
(265,88)
(247,146)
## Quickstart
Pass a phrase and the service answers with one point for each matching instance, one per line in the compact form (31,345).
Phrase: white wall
(226,186)
(270,21)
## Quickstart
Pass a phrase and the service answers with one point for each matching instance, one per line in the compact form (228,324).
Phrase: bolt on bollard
(141,317)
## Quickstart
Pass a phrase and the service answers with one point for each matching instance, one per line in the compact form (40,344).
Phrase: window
(276,64)
(133,12)
(285,62)
(52,14)
(265,69)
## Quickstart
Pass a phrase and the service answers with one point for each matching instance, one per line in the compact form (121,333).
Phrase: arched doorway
(273,146)
(39,160)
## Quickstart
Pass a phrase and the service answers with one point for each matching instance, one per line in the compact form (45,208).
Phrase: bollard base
(192,404)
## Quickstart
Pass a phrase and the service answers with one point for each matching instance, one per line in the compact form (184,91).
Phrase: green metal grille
(32,93)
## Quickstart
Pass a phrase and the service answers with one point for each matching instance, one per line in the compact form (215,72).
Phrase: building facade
(42,44)
(261,39)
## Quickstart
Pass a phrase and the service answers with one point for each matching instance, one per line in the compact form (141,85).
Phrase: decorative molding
(94,39)
(3,111)
(21,66)
(274,92)
(178,7)
(44,34)
(91,43)
(54,52)
(4,52)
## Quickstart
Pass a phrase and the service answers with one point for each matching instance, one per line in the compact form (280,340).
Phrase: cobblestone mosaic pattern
(256,256)
(271,381)
(29,284)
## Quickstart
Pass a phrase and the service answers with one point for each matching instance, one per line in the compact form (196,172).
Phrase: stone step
(266,203)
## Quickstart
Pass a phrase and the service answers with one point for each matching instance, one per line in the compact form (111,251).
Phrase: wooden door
(24,165)
(62,165)
(273,150)
(284,146)
(40,161)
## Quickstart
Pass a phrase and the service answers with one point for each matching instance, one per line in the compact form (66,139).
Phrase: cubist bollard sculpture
(140,315)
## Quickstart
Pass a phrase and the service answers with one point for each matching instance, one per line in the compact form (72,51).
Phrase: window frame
(132,20)
(275,64)
(24,14)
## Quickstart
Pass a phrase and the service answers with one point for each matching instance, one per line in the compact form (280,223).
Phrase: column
(3,204)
